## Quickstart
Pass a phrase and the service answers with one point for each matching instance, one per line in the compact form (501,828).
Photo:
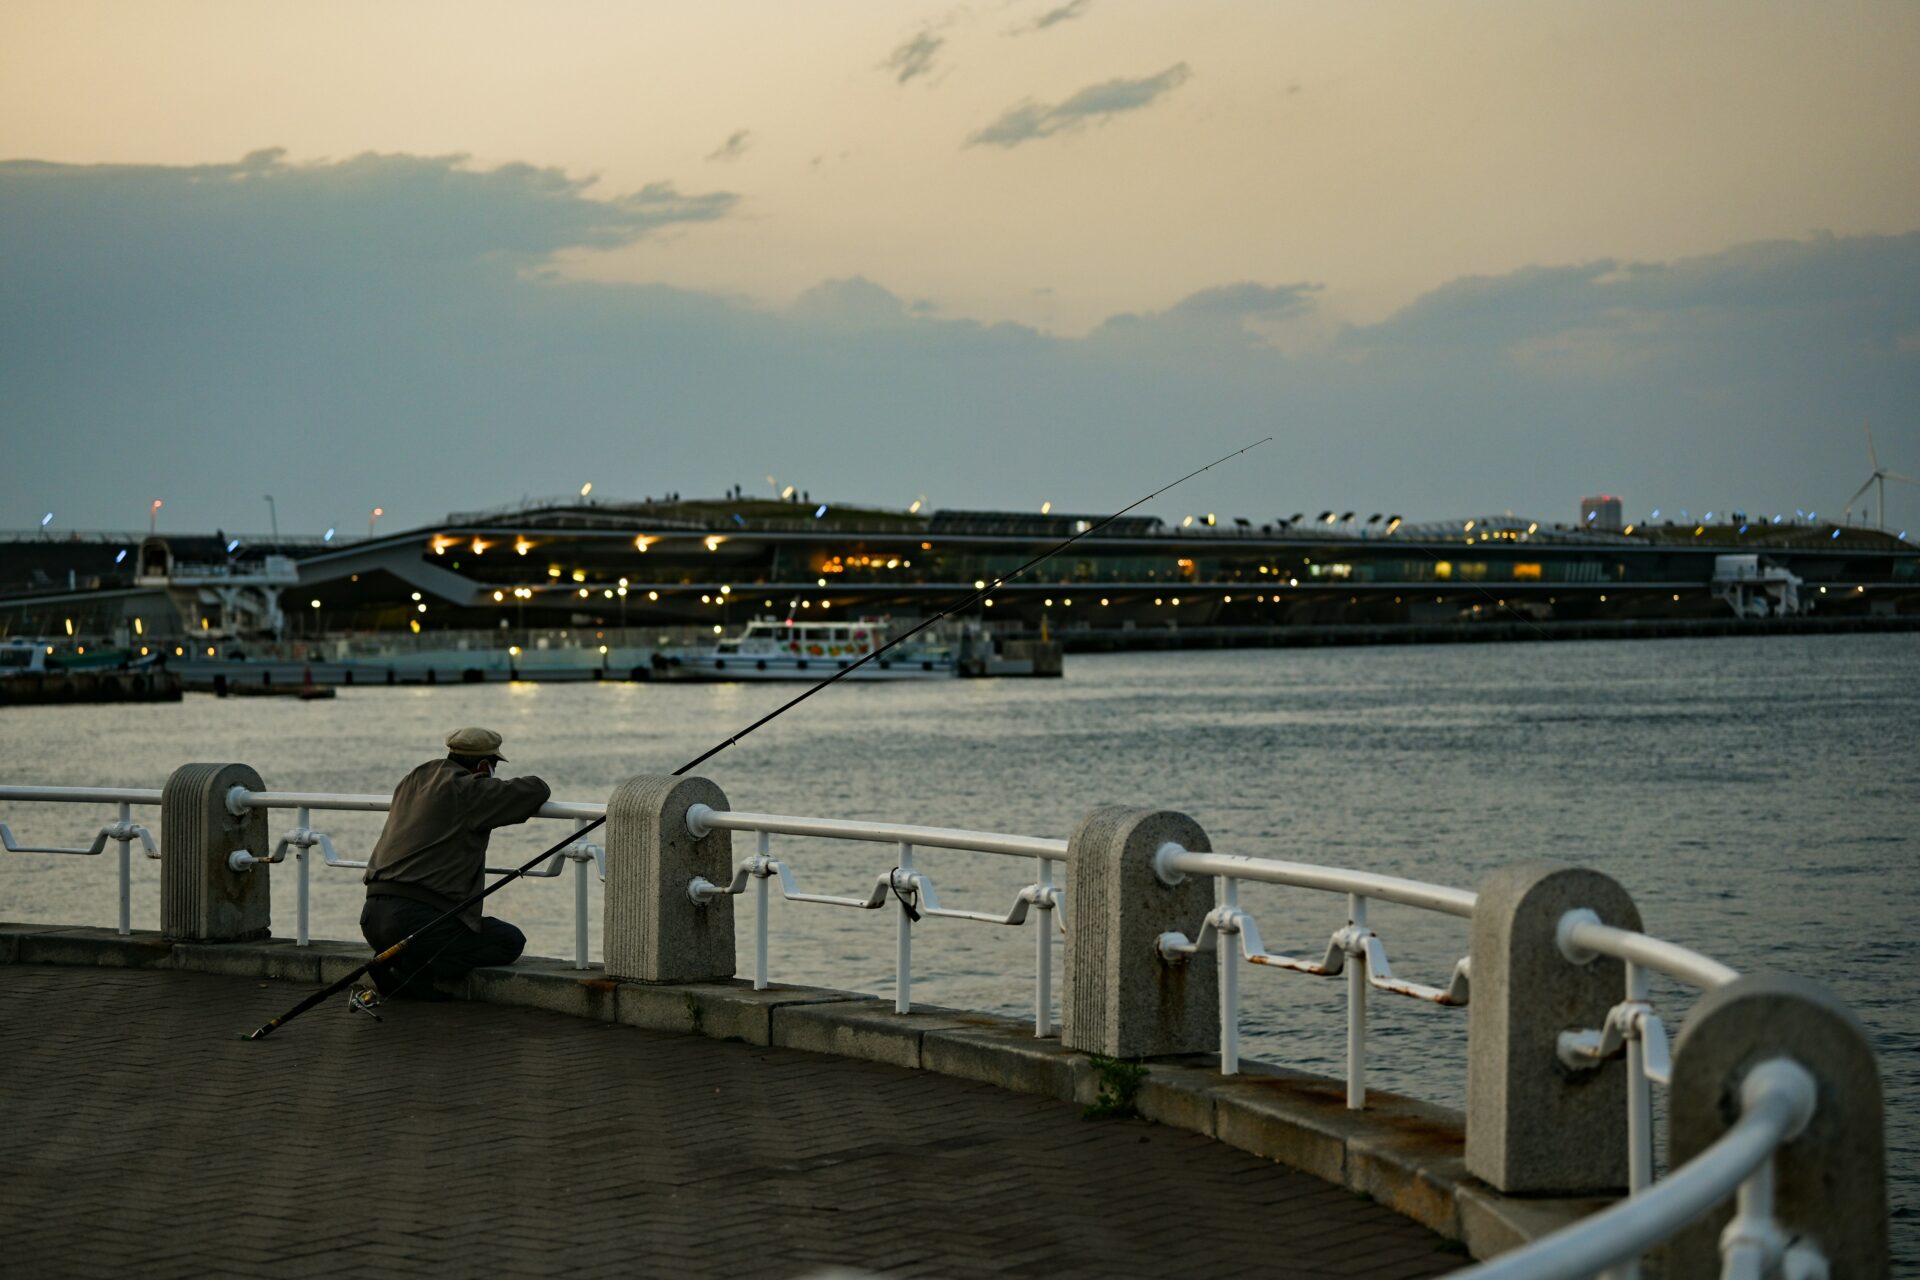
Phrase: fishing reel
(366,1000)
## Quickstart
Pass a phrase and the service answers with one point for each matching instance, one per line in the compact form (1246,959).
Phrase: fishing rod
(393,952)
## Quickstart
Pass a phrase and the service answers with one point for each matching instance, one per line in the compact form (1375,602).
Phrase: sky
(1455,260)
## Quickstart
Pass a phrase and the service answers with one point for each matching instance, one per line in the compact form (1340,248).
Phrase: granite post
(202,899)
(654,932)
(1119,997)
(1535,1127)
(1830,1181)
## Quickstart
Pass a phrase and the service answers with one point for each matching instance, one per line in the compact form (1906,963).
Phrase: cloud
(734,147)
(1052,17)
(386,330)
(915,57)
(1030,120)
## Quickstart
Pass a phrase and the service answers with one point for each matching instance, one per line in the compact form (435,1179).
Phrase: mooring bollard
(1119,997)
(1532,1126)
(653,930)
(202,898)
(1829,1182)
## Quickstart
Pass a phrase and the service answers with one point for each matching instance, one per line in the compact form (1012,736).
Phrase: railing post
(653,931)
(126,872)
(202,899)
(1043,955)
(903,937)
(303,820)
(1357,1006)
(580,906)
(1830,1182)
(1532,1126)
(1118,996)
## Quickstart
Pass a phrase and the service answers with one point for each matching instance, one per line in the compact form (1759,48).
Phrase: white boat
(786,649)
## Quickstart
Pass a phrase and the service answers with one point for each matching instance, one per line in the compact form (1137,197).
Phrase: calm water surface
(1757,797)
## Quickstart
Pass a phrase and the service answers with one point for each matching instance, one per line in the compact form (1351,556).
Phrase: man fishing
(431,858)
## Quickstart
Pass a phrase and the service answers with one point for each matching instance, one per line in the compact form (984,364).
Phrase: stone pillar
(1533,1126)
(201,898)
(1119,997)
(1830,1181)
(653,932)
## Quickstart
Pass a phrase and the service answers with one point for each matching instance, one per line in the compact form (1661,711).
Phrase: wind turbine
(1879,477)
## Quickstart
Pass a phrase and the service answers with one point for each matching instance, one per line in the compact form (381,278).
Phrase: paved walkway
(142,1137)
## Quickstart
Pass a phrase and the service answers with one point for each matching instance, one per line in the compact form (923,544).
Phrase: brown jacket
(434,846)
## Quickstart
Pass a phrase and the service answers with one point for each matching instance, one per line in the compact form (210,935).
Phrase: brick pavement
(142,1136)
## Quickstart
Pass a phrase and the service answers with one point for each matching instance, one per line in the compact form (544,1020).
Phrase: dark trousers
(444,953)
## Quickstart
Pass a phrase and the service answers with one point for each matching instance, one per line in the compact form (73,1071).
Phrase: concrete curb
(1405,1154)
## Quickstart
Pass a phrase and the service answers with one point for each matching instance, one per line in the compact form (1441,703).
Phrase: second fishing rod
(387,957)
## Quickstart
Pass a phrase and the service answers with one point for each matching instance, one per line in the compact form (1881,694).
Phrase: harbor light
(622,593)
(716,631)
(714,541)
(608,593)
(421,607)
(521,546)
(821,581)
(579,575)
(623,582)
(416,597)
(316,603)
(642,542)
(496,595)
(584,593)
(979,584)
(653,595)
(513,650)
(480,547)
(726,591)
(1103,602)
(603,651)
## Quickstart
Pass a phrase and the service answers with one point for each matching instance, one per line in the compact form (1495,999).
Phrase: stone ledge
(724,1010)
(554,985)
(1405,1154)
(862,1028)
(1007,1053)
(51,944)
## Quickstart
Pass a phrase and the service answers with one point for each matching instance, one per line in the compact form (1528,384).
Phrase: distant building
(1602,512)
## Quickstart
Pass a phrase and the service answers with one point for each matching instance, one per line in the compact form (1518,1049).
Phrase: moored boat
(787,649)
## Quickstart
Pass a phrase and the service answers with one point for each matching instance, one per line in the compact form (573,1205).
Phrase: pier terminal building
(720,562)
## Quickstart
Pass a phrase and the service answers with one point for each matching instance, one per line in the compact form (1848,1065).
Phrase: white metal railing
(301,838)
(910,887)
(122,830)
(1778,1097)
(1354,948)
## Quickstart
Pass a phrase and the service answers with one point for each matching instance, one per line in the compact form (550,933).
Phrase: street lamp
(273,515)
(377,513)
(153,517)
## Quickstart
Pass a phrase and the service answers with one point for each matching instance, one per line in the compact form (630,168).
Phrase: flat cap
(475,742)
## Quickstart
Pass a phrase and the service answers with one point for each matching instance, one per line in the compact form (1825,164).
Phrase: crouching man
(431,855)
